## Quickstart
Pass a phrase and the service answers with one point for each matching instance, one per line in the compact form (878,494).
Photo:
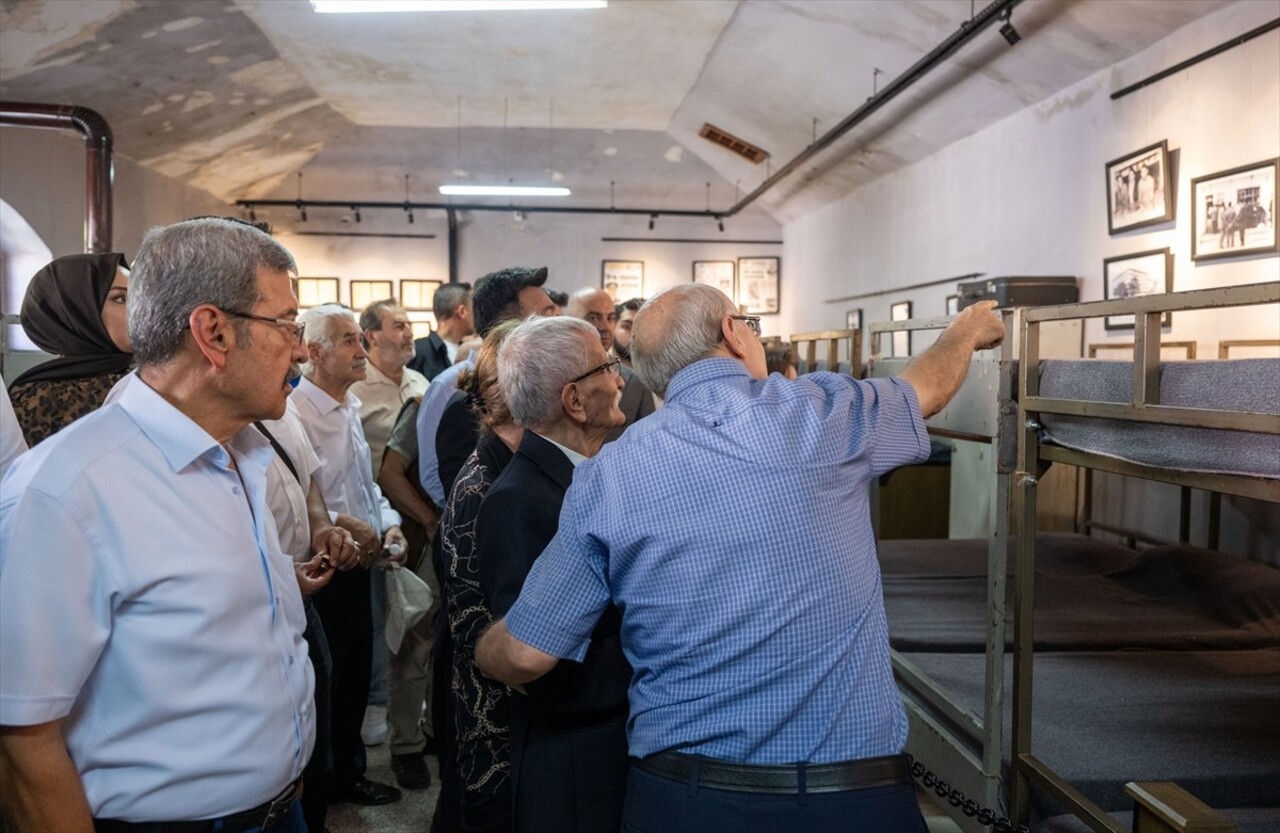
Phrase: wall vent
(726,140)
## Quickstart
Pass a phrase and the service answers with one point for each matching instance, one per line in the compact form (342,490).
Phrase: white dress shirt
(144,599)
(11,442)
(286,494)
(337,437)
(380,403)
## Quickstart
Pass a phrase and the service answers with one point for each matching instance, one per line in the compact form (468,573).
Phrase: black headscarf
(62,314)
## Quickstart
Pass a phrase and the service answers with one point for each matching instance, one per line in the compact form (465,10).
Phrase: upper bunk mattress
(1237,385)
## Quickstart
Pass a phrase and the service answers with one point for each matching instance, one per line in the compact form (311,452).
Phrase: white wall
(1027,195)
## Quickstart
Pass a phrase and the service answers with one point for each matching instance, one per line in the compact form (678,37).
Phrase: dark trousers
(567,780)
(318,776)
(448,814)
(344,609)
(656,804)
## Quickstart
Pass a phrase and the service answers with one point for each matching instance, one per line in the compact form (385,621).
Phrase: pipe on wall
(99,170)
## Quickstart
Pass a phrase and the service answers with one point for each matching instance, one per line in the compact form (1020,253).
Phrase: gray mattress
(1204,719)
(1090,596)
(1241,385)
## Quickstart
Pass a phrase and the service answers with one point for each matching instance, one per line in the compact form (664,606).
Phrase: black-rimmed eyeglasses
(292,327)
(752,322)
(610,366)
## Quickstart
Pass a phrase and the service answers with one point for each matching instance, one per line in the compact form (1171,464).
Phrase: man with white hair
(331,416)
(568,734)
(763,698)
(596,307)
(153,672)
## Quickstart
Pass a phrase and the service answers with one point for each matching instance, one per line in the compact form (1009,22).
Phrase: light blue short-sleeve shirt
(732,528)
(145,601)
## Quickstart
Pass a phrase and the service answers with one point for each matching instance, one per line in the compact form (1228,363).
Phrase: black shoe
(411,771)
(366,792)
(432,748)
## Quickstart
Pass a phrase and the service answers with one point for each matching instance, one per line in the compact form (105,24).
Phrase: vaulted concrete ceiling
(237,97)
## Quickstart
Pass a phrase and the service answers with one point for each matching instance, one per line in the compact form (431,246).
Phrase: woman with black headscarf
(74,308)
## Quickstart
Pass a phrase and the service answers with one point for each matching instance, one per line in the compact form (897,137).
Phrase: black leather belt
(784,779)
(266,816)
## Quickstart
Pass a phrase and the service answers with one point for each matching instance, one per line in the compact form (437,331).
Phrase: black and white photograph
(853,319)
(622,279)
(758,285)
(718,273)
(364,293)
(901,311)
(312,292)
(1235,212)
(1128,276)
(417,294)
(1139,192)
(953,305)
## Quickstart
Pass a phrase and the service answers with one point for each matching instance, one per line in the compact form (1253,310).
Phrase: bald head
(596,308)
(677,328)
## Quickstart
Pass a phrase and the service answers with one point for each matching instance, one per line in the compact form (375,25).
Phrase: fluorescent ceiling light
(356,6)
(501,191)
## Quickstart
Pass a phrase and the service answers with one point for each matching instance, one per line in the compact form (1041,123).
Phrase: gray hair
(181,266)
(371,316)
(317,327)
(536,361)
(692,332)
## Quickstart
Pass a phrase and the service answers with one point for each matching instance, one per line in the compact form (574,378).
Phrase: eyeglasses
(293,327)
(611,366)
(752,321)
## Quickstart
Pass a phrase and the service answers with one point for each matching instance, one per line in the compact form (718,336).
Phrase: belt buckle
(280,805)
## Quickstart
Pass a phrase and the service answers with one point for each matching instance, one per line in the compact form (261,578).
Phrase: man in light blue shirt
(746,573)
(152,665)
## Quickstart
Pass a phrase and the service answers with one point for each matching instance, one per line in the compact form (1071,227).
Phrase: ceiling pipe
(99,171)
(940,53)
(968,30)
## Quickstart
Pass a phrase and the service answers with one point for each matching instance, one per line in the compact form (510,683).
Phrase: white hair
(691,333)
(536,361)
(317,327)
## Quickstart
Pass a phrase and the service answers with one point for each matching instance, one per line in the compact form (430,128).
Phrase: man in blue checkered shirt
(732,530)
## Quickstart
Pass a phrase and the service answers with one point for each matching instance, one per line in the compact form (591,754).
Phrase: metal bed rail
(1027,769)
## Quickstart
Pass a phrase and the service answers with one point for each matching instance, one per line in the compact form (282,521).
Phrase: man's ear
(213,333)
(732,340)
(572,403)
(313,351)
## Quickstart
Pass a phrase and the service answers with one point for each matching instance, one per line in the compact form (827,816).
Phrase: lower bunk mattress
(1207,720)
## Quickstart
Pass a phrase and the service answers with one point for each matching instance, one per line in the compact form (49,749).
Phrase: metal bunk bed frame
(1027,770)
(944,734)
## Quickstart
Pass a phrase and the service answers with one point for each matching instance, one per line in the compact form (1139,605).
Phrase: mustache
(295,373)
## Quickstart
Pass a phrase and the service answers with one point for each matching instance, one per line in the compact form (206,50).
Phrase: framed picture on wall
(416,294)
(364,293)
(1128,276)
(758,279)
(901,311)
(953,305)
(1139,191)
(1234,212)
(422,322)
(721,274)
(312,292)
(622,279)
(853,319)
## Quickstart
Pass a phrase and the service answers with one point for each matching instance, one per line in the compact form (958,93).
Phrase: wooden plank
(1164,807)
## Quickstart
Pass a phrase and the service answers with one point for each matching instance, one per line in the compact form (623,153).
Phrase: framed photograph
(853,319)
(1128,276)
(364,293)
(953,305)
(721,274)
(901,311)
(312,292)
(622,279)
(1234,212)
(758,279)
(422,322)
(416,294)
(1139,191)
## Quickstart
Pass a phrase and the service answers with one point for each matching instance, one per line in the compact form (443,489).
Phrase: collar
(323,402)
(547,456)
(705,370)
(574,457)
(178,437)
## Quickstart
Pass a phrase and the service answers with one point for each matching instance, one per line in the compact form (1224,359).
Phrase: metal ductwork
(99,173)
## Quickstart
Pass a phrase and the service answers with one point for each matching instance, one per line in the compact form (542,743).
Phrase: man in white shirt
(451,305)
(336,359)
(152,664)
(398,682)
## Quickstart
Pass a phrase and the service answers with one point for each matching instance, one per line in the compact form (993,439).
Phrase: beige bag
(408,600)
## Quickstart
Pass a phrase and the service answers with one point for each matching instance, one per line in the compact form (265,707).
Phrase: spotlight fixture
(302,210)
(720,223)
(356,209)
(253,215)
(363,6)
(1010,34)
(652,219)
(410,210)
